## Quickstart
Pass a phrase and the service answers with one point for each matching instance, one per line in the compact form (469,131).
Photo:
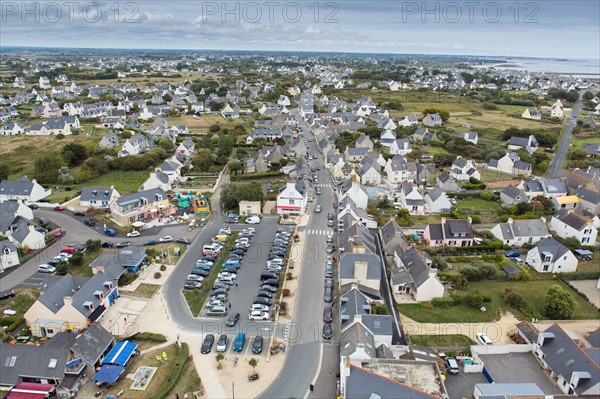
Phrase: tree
(46,167)
(253,362)
(93,245)
(65,176)
(203,159)
(445,115)
(76,259)
(4,171)
(74,153)
(214,128)
(165,144)
(228,200)
(558,303)
(220,356)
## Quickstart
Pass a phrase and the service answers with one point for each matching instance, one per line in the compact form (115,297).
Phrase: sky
(544,28)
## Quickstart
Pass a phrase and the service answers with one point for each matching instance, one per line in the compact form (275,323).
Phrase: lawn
(206,120)
(125,182)
(532,291)
(21,302)
(196,298)
(144,290)
(478,205)
(441,340)
(579,142)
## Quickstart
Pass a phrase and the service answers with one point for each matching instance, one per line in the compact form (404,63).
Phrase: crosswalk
(328,185)
(319,232)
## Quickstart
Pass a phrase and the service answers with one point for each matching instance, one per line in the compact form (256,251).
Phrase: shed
(513,390)
(250,208)
(511,271)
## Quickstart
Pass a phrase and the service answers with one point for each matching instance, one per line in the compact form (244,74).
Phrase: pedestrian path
(328,185)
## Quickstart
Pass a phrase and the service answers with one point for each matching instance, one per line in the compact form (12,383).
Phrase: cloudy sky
(543,28)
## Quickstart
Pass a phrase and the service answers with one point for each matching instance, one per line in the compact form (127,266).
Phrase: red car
(57,232)
(59,208)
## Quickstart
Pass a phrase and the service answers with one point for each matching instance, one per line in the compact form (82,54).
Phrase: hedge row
(148,337)
(251,176)
(11,323)
(181,357)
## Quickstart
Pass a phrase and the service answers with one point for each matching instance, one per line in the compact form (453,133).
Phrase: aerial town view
(299,199)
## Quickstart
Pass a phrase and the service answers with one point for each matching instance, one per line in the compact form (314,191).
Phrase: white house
(432,120)
(413,275)
(532,113)
(399,169)
(157,179)
(529,144)
(463,170)
(411,199)
(22,188)
(400,147)
(292,199)
(437,201)
(557,109)
(9,255)
(137,144)
(519,232)
(369,173)
(550,256)
(357,194)
(470,137)
(12,129)
(576,223)
(98,197)
(410,120)
(387,137)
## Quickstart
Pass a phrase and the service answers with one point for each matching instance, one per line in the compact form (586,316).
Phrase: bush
(283,307)
(127,278)
(157,275)
(175,372)
(285,292)
(474,300)
(475,219)
(163,268)
(148,337)
(443,302)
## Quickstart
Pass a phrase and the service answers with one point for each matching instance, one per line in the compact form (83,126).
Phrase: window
(291,202)
(545,269)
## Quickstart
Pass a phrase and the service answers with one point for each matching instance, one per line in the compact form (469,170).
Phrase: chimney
(31,227)
(510,221)
(543,218)
(469,219)
(68,301)
(100,269)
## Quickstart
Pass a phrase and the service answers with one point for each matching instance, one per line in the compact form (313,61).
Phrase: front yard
(532,291)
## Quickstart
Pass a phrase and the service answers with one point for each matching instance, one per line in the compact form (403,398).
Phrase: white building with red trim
(292,199)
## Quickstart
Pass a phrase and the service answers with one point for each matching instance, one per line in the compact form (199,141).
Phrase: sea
(583,67)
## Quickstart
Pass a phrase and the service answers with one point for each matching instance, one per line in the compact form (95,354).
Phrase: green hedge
(148,337)
(12,323)
(251,176)
(181,357)
(587,275)
(443,302)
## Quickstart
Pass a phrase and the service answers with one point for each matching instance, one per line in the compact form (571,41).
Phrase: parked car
(110,232)
(192,284)
(183,240)
(268,288)
(327,331)
(207,344)
(195,277)
(59,208)
(124,244)
(483,339)
(165,239)
(328,314)
(7,294)
(258,306)
(328,296)
(258,315)
(90,222)
(58,232)
(233,319)
(222,343)
(107,244)
(318,190)
(79,213)
(33,206)
(253,219)
(151,242)
(257,345)
(44,221)
(262,301)
(133,233)
(240,341)
(46,268)
(451,365)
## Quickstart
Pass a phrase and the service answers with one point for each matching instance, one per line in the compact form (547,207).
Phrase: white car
(225,230)
(258,315)
(165,239)
(213,303)
(10,312)
(195,277)
(64,256)
(250,230)
(133,233)
(227,274)
(483,339)
(259,307)
(45,268)
(253,219)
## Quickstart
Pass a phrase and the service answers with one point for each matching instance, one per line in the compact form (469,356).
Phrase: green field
(478,205)
(441,340)
(532,291)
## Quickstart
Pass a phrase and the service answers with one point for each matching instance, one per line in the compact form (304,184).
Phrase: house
(364,141)
(532,113)
(150,204)
(554,188)
(93,345)
(356,238)
(360,268)
(111,140)
(550,256)
(589,200)
(9,255)
(264,134)
(130,259)
(399,169)
(422,135)
(529,144)
(446,182)
(557,109)
(292,198)
(414,276)
(16,223)
(400,147)
(510,164)
(355,154)
(410,120)
(566,202)
(574,370)
(98,197)
(357,193)
(22,189)
(511,195)
(431,120)
(392,237)
(387,137)
(250,208)
(369,173)
(436,201)
(157,179)
(592,149)
(411,199)
(349,214)
(519,232)
(449,232)
(462,170)
(577,223)
(531,189)
(12,129)
(136,145)
(70,303)
(171,169)
(469,137)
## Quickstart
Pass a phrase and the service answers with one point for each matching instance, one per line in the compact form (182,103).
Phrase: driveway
(589,288)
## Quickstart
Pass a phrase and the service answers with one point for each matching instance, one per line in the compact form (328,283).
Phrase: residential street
(563,147)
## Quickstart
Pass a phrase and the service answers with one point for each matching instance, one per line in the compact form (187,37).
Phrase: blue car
(202,266)
(151,242)
(110,232)
(232,263)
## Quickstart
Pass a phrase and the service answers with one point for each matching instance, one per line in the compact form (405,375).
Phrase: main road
(563,147)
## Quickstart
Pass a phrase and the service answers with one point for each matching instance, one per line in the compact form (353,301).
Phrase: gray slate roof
(414,264)
(362,384)
(390,230)
(552,246)
(32,361)
(353,302)
(349,260)
(588,195)
(96,193)
(92,344)
(150,195)
(22,186)
(354,336)
(511,191)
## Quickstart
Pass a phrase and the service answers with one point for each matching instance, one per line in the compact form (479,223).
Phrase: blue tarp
(121,353)
(109,374)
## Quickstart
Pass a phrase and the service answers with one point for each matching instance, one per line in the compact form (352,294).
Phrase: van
(217,311)
(209,248)
(253,219)
(221,237)
(240,340)
(452,365)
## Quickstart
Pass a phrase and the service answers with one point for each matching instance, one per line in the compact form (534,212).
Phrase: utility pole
(233,389)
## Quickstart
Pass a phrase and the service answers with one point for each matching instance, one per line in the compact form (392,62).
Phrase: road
(306,348)
(563,147)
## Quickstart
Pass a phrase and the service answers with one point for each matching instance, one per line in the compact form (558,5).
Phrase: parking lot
(242,294)
(462,384)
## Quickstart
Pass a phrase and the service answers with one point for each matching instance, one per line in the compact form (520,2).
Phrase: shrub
(426,305)
(474,300)
(175,372)
(443,302)
(283,307)
(157,275)
(475,219)
(285,292)
(288,275)
(149,337)
(127,278)
(163,268)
